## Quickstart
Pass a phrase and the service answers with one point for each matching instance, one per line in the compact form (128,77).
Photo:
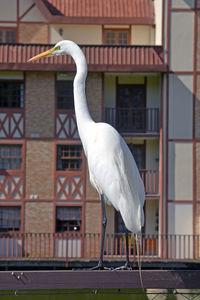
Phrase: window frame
(81,158)
(6,29)
(61,207)
(8,230)
(58,81)
(22,102)
(22,157)
(117,30)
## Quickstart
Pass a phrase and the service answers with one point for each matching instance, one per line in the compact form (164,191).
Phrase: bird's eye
(57,48)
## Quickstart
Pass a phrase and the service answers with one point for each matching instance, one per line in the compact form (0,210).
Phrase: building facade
(143,63)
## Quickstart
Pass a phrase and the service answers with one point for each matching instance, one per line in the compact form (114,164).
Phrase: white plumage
(112,168)
(113,172)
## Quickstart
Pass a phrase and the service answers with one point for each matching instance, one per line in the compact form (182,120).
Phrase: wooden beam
(87,279)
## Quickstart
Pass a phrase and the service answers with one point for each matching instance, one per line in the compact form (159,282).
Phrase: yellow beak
(43,54)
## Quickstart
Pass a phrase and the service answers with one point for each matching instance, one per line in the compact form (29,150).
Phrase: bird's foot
(127,266)
(100,266)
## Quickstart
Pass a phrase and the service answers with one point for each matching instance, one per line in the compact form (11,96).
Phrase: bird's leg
(128,265)
(104,223)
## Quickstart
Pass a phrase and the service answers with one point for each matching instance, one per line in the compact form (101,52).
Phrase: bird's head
(61,48)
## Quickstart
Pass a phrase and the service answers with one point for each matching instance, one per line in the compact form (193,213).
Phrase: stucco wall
(180,171)
(8,10)
(177,213)
(142,35)
(81,34)
(180,106)
(181,41)
(158,20)
(182,3)
(153,91)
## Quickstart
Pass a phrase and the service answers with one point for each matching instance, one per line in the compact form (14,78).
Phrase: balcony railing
(70,246)
(136,120)
(151,181)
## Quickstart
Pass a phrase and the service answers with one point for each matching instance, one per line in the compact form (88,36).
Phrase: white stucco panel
(180,218)
(142,35)
(182,3)
(24,5)
(153,92)
(81,34)
(180,106)
(8,10)
(34,15)
(158,20)
(180,172)
(182,41)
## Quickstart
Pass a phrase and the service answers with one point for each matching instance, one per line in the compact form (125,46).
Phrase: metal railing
(70,246)
(135,120)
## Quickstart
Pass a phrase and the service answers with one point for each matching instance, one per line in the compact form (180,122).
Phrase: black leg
(127,264)
(104,223)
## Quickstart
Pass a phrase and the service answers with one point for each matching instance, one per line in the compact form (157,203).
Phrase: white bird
(112,168)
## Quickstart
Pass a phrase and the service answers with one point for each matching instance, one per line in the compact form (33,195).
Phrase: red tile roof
(100,11)
(99,58)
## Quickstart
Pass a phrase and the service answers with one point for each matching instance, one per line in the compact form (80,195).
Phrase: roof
(98,11)
(99,58)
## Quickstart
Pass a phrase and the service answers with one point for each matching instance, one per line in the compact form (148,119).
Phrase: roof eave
(102,20)
(91,68)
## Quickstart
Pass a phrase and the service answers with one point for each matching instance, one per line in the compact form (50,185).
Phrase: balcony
(151,181)
(100,58)
(134,121)
(86,247)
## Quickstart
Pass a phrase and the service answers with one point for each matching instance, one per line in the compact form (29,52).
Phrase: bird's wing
(114,173)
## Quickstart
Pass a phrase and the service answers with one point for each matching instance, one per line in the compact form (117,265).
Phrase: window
(11,94)
(10,157)
(65,98)
(131,102)
(69,157)
(8,36)
(138,151)
(116,37)
(120,226)
(9,218)
(68,219)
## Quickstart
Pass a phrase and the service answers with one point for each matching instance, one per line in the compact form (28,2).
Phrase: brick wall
(40,101)
(39,169)
(38,224)
(93,217)
(33,33)
(39,217)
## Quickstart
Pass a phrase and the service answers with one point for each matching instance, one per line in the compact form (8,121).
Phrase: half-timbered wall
(180,116)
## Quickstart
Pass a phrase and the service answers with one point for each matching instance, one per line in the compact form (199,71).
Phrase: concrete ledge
(87,279)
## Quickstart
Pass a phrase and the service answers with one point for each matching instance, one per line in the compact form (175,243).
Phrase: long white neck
(83,116)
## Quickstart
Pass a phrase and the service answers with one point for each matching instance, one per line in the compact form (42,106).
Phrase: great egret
(112,168)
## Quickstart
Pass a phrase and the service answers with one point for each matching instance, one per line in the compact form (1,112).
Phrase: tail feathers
(139,247)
